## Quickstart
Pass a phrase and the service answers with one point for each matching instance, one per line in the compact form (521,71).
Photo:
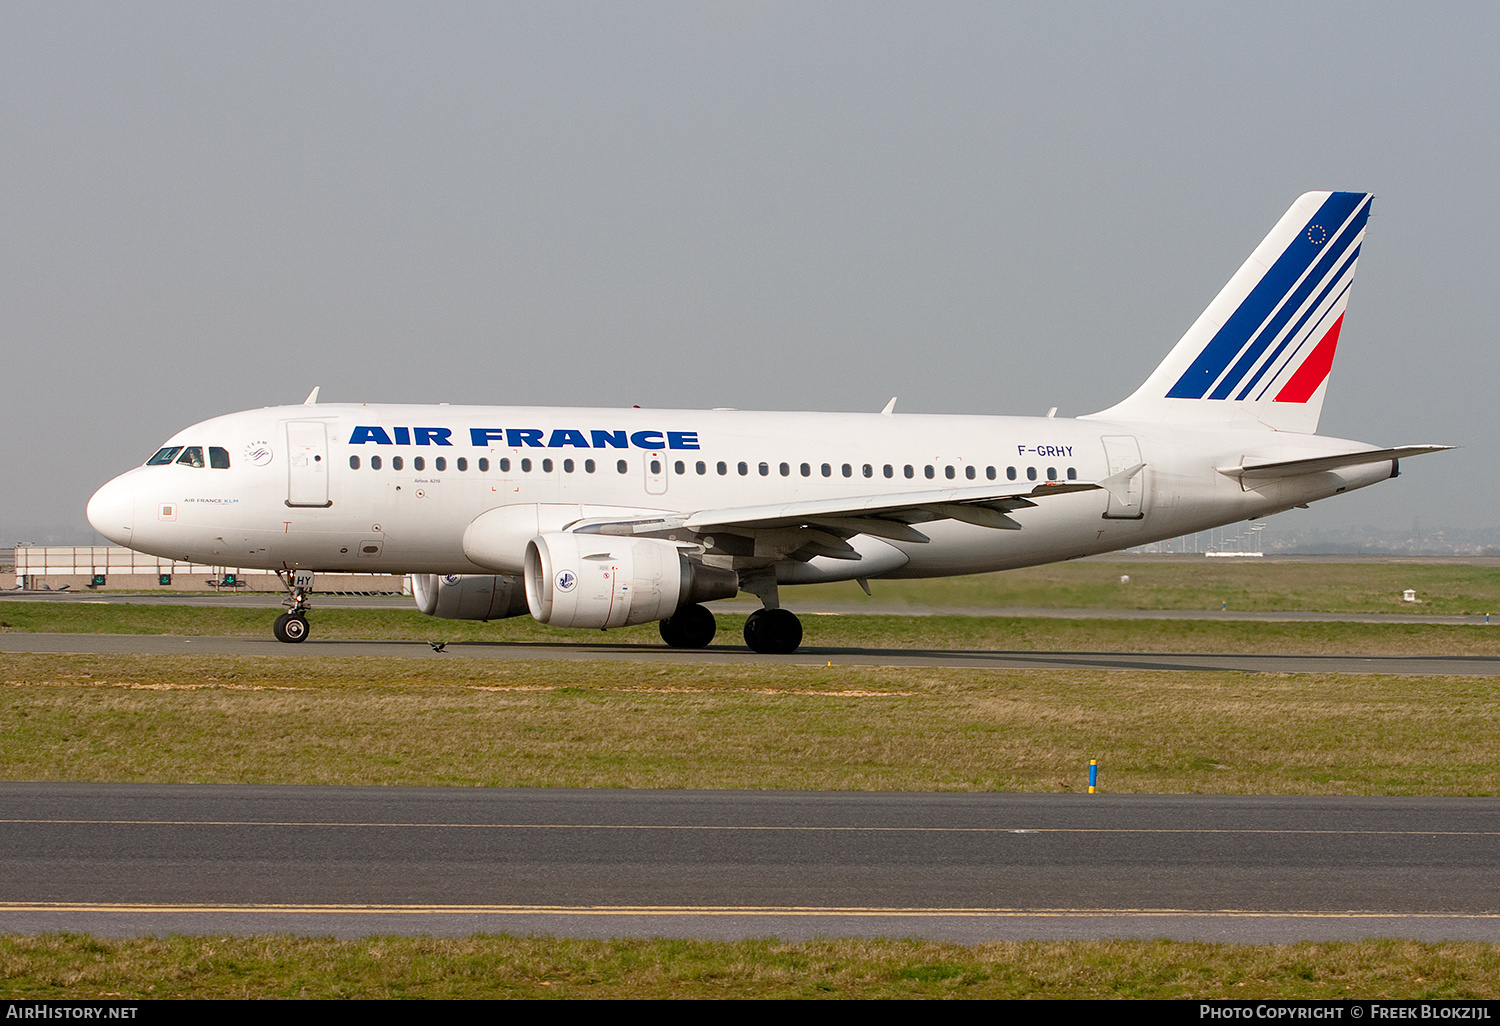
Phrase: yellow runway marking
(718,910)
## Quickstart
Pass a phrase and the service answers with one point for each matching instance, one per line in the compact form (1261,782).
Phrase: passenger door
(307,463)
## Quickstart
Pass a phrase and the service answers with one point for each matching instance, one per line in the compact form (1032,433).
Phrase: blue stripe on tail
(1274,287)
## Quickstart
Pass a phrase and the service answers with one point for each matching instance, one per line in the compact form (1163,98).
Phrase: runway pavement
(123,859)
(808,655)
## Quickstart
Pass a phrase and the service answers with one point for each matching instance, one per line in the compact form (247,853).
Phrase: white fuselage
(394,489)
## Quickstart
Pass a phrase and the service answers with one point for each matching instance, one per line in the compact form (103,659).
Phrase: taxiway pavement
(808,655)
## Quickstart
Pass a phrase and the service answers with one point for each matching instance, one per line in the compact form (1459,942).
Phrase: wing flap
(896,506)
(822,526)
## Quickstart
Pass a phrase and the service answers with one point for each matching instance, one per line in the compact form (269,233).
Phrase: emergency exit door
(1123,452)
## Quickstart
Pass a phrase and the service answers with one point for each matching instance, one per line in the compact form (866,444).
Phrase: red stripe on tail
(1314,369)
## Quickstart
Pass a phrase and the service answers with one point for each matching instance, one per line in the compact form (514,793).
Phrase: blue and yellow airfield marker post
(1093,775)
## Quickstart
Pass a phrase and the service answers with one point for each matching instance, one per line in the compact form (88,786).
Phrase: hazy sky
(981,208)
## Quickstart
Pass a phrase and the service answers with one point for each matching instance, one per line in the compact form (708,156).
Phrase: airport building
(116,568)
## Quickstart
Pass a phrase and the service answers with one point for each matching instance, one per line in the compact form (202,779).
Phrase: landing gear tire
(692,626)
(290,628)
(773,631)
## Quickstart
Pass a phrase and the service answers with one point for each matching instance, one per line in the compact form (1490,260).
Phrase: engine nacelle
(469,596)
(593,580)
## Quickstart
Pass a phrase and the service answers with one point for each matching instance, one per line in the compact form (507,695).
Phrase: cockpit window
(218,458)
(164,456)
(192,456)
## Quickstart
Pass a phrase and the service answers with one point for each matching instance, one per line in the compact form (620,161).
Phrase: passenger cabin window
(889,470)
(484,464)
(568,466)
(908,471)
(1051,473)
(989,472)
(192,456)
(164,456)
(397,463)
(1072,474)
(970,473)
(846,470)
(679,467)
(588,466)
(374,462)
(929,472)
(806,470)
(546,465)
(701,467)
(765,469)
(461,463)
(353,462)
(744,468)
(950,472)
(722,468)
(1031,473)
(504,465)
(1010,473)
(419,463)
(786,470)
(827,470)
(526,465)
(622,466)
(218,458)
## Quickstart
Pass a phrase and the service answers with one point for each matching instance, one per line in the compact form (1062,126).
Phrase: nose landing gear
(291,627)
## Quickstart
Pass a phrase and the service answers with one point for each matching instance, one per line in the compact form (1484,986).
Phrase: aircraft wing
(1319,464)
(888,515)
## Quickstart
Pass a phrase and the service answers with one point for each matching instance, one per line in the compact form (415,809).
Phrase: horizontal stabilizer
(1320,464)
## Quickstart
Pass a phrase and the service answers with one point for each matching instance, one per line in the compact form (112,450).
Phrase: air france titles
(534,438)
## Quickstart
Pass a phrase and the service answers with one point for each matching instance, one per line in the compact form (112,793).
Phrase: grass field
(822,632)
(1194,583)
(284,719)
(75,967)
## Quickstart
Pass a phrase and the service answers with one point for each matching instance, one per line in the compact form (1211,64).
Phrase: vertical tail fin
(1263,348)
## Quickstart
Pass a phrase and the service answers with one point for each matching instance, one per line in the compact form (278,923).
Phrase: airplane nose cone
(112,511)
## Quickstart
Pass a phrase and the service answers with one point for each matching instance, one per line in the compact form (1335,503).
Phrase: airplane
(601,518)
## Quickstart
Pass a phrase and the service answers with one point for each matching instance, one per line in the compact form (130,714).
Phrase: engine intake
(591,580)
(469,596)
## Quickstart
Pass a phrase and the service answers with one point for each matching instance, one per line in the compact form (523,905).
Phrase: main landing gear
(291,627)
(773,631)
(692,626)
(768,631)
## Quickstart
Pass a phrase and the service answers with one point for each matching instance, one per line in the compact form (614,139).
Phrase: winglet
(1118,485)
(890,407)
(312,397)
